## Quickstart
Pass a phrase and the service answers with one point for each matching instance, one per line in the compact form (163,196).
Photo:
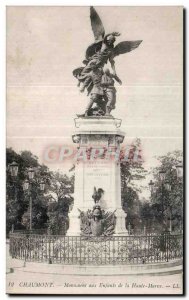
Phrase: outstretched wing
(125,47)
(96,24)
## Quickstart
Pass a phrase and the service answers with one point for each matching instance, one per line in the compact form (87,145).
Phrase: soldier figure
(97,55)
(107,84)
(96,95)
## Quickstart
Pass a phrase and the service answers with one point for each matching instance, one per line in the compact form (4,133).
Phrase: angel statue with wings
(101,52)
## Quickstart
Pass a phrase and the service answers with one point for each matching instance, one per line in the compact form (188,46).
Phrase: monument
(97,209)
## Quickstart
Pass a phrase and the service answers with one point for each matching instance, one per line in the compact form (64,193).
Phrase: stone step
(170,268)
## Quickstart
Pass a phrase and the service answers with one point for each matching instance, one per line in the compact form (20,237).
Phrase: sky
(45,44)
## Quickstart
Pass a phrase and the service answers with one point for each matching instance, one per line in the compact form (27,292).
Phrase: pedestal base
(74,224)
(120,228)
(97,168)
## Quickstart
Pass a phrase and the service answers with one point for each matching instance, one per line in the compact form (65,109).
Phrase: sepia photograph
(94,150)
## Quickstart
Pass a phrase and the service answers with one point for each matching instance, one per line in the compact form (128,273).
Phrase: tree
(169,204)
(146,214)
(132,171)
(17,204)
(132,208)
(63,187)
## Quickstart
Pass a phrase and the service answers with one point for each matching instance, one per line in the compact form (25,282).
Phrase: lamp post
(144,230)
(42,186)
(129,228)
(13,168)
(179,170)
(27,186)
(31,176)
(165,185)
(151,184)
(151,187)
(162,175)
(168,188)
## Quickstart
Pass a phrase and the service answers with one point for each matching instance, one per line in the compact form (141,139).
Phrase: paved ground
(37,279)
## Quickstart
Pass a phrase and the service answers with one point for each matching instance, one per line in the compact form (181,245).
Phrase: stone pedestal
(97,166)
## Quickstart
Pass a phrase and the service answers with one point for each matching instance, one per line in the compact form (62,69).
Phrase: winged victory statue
(91,76)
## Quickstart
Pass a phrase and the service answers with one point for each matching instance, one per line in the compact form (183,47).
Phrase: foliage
(63,187)
(166,204)
(131,168)
(58,222)
(150,215)
(17,203)
(132,171)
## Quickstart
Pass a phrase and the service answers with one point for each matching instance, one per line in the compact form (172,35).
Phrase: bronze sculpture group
(98,80)
(97,222)
(94,76)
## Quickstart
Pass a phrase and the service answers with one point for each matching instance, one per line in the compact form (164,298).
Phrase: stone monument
(98,134)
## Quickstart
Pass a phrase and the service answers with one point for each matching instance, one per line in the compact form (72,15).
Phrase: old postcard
(94,150)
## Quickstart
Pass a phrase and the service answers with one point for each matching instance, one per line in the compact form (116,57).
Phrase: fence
(95,251)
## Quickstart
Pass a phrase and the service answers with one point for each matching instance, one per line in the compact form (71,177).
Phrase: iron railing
(113,250)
